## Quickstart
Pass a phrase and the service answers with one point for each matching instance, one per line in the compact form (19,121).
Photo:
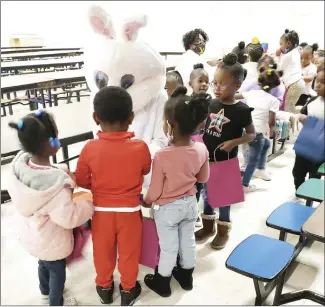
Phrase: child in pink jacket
(42,194)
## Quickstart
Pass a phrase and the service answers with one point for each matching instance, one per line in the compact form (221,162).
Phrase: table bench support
(286,298)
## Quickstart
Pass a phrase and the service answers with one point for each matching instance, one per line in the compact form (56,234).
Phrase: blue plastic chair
(312,190)
(289,218)
(263,259)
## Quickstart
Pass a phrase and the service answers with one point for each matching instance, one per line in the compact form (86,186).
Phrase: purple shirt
(277,92)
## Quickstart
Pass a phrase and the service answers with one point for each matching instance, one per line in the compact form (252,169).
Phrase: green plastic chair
(311,190)
(321,169)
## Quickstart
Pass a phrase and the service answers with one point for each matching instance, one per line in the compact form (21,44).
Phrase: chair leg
(309,203)
(279,288)
(283,236)
(260,292)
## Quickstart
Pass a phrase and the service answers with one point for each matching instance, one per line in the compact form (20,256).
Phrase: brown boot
(222,237)
(209,228)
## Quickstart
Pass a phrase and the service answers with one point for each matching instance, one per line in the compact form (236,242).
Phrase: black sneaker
(128,297)
(105,295)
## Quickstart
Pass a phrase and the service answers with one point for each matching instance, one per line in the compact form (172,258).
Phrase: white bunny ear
(132,25)
(101,22)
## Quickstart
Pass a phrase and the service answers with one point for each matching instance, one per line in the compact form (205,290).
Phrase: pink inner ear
(131,28)
(97,24)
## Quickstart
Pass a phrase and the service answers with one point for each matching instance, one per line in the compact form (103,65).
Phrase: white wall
(65,23)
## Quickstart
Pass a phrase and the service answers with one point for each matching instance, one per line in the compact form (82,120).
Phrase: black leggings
(301,168)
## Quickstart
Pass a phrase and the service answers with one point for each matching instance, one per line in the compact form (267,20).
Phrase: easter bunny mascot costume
(117,58)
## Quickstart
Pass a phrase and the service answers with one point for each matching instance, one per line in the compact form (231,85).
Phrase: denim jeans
(175,224)
(257,157)
(52,276)
(224,212)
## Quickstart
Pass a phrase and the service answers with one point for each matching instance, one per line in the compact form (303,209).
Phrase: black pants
(199,189)
(51,276)
(301,168)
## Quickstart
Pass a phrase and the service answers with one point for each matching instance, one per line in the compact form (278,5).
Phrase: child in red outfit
(113,167)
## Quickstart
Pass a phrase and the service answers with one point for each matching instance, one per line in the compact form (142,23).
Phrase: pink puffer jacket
(44,200)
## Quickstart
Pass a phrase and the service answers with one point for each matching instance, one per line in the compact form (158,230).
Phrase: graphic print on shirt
(217,122)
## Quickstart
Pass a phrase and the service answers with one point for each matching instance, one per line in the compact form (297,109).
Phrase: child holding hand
(176,169)
(113,168)
(42,194)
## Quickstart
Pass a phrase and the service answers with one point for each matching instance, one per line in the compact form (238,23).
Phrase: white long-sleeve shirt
(185,67)
(290,64)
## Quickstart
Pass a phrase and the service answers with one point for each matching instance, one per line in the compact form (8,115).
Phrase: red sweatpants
(112,230)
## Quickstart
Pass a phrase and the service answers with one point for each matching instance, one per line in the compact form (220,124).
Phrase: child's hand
(143,204)
(227,146)
(278,52)
(302,118)
(72,175)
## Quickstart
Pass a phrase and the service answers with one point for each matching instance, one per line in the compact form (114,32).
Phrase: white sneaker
(198,222)
(71,301)
(45,300)
(262,174)
(250,188)
(243,168)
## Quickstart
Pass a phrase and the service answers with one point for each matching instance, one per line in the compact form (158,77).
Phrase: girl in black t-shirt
(224,131)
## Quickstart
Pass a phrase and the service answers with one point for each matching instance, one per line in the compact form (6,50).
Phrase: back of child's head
(37,132)
(311,48)
(231,64)
(199,79)
(255,52)
(291,38)
(241,52)
(320,53)
(113,104)
(269,79)
(187,112)
(173,81)
(265,63)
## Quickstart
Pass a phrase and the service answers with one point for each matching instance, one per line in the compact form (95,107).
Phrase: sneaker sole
(262,178)
(110,302)
(161,294)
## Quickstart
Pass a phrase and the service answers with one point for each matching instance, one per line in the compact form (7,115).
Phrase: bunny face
(123,61)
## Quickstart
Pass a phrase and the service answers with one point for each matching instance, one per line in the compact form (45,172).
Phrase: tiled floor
(213,283)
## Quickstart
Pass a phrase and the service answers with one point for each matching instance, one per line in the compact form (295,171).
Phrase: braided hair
(187,111)
(255,52)
(292,38)
(34,130)
(269,79)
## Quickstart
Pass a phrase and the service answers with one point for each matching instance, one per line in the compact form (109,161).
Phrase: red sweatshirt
(112,167)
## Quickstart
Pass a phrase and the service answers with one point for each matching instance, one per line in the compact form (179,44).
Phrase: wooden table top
(314,227)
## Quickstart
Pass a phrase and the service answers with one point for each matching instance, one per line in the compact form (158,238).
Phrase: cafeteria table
(314,230)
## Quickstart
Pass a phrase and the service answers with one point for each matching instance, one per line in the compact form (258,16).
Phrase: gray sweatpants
(175,224)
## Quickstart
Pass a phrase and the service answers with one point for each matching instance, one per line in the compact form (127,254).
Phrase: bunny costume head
(114,56)
(122,60)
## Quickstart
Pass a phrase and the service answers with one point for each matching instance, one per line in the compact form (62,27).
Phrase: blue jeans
(175,224)
(224,212)
(51,276)
(257,157)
